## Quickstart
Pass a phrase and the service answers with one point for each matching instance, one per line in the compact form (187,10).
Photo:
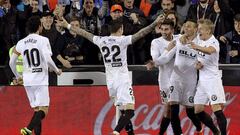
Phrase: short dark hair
(74,18)
(168,22)
(33,24)
(237,17)
(115,25)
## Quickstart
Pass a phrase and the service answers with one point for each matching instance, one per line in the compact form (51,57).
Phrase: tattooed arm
(83,33)
(79,31)
(143,32)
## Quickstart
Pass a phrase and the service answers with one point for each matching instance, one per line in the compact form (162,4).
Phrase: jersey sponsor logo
(34,70)
(214,97)
(201,54)
(187,54)
(117,64)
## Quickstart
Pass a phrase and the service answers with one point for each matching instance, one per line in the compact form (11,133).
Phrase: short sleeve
(127,40)
(47,47)
(215,44)
(18,47)
(97,40)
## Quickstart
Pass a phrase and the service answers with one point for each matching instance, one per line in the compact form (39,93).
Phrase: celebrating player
(36,53)
(164,61)
(184,78)
(209,88)
(113,49)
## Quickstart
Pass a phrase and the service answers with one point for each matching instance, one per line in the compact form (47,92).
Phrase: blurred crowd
(95,15)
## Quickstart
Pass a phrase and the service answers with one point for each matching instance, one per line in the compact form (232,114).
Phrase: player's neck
(191,38)
(116,34)
(207,37)
(169,38)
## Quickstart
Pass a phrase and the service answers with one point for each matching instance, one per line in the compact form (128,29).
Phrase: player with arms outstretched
(114,50)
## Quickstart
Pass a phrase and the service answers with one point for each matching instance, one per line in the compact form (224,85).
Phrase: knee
(198,108)
(129,113)
(44,109)
(190,111)
(216,107)
(174,110)
(167,111)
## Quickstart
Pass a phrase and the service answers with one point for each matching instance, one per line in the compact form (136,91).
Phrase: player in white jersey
(209,88)
(159,50)
(184,78)
(113,49)
(36,53)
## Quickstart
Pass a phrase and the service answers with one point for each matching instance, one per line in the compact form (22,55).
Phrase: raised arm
(143,32)
(79,31)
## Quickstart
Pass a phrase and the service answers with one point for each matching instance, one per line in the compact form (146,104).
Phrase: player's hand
(134,17)
(233,53)
(18,81)
(171,45)
(183,39)
(199,65)
(194,46)
(223,39)
(15,81)
(62,22)
(66,64)
(150,65)
(59,72)
(160,18)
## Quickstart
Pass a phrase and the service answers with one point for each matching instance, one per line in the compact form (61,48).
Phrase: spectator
(89,20)
(202,10)
(69,47)
(171,14)
(223,17)
(49,29)
(166,5)
(232,39)
(136,20)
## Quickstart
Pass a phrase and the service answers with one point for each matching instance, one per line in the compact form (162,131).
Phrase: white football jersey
(165,70)
(210,62)
(114,52)
(185,61)
(34,48)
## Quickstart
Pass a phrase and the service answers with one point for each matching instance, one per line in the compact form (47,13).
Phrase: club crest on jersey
(191,99)
(214,97)
(187,54)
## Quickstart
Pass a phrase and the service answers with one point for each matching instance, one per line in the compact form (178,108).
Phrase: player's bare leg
(221,119)
(165,120)
(125,118)
(205,118)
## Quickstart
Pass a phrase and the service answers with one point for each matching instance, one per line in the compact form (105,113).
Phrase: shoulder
(156,41)
(213,40)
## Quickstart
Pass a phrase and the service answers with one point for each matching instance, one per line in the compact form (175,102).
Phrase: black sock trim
(222,121)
